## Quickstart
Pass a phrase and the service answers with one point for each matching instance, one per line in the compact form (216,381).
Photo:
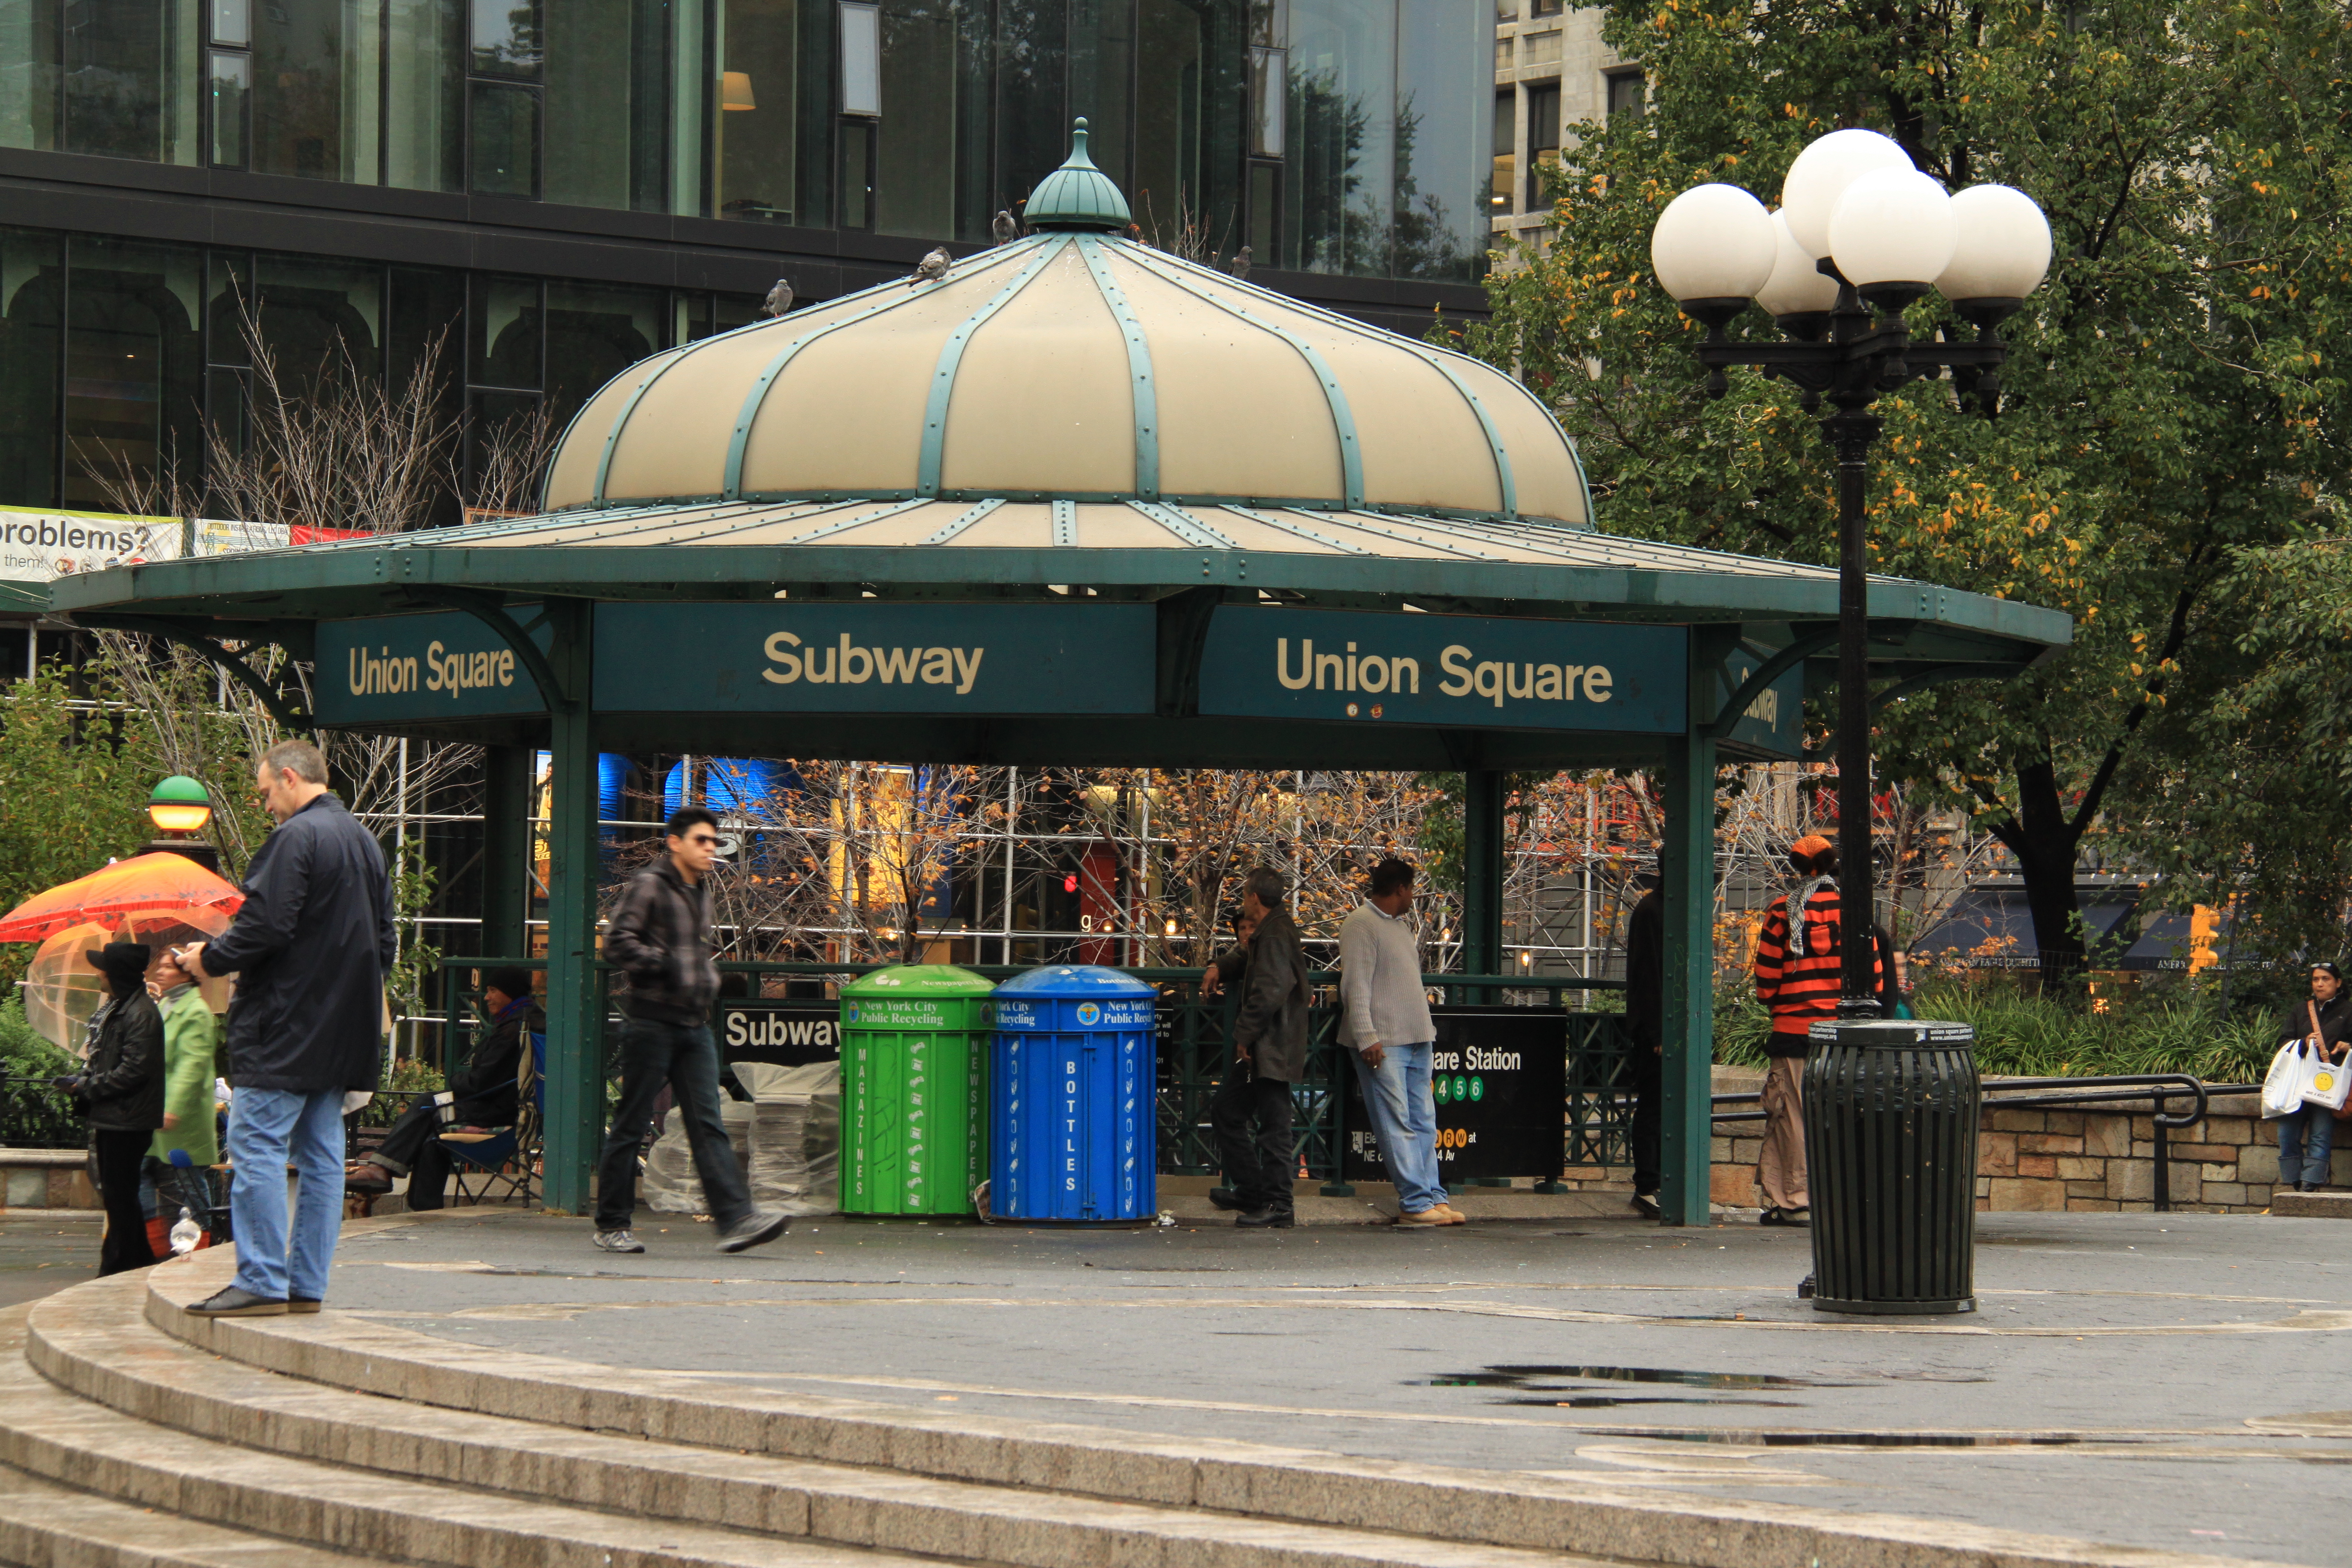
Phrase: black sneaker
(1646,1206)
(754,1230)
(1266,1219)
(1227,1199)
(236,1302)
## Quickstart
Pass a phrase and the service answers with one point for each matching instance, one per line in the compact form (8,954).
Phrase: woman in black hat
(120,1091)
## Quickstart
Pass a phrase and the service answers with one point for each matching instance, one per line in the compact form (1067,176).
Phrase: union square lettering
(435,666)
(1445,670)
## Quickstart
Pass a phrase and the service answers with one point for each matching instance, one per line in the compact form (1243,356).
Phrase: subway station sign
(1774,720)
(404,668)
(783,658)
(1463,670)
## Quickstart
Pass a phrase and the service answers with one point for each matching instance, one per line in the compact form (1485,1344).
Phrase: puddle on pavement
(1535,1377)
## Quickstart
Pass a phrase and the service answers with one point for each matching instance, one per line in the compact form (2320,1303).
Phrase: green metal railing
(1196,1042)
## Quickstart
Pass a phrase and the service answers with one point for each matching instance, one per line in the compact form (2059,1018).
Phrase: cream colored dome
(1073,366)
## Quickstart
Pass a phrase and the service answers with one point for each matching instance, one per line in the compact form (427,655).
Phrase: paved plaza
(2174,1382)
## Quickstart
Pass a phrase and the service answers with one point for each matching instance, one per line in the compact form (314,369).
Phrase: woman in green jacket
(191,1125)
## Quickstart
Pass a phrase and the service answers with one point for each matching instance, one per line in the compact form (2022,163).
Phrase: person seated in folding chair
(484,1092)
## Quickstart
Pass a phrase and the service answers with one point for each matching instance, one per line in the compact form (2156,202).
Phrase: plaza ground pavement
(44,1250)
(2181,1382)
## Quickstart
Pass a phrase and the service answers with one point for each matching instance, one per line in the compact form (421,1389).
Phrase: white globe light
(1797,286)
(2004,246)
(1893,226)
(1713,242)
(1818,179)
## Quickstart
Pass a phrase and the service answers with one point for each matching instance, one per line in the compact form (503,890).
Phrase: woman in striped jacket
(1797,980)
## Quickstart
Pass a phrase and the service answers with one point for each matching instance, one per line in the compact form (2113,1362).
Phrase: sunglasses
(702,839)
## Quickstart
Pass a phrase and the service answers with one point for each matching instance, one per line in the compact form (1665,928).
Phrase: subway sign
(445,665)
(1470,671)
(783,658)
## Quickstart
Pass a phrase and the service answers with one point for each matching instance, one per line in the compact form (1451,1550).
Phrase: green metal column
(1687,871)
(1482,873)
(506,850)
(575,1054)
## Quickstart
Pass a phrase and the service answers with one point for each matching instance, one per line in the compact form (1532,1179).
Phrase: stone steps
(94,1343)
(333,1438)
(44,1525)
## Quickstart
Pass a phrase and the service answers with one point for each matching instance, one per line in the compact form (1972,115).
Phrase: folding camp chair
(504,1158)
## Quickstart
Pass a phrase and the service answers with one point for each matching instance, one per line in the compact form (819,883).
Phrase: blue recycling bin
(1073,1126)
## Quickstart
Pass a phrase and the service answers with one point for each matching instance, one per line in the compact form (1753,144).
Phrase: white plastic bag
(2282,1085)
(2324,1080)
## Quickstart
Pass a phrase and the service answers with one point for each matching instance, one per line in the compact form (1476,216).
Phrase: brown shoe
(1452,1216)
(303,1304)
(1423,1219)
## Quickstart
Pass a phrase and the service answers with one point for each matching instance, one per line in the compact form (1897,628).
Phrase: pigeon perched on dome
(933,267)
(780,298)
(1006,228)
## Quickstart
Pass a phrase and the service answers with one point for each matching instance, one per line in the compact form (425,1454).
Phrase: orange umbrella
(145,884)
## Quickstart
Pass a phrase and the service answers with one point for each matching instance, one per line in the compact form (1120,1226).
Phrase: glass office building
(557,187)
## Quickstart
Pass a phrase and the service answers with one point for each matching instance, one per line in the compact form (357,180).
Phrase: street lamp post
(1859,230)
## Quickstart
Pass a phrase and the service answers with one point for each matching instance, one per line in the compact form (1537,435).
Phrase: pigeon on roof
(934,268)
(1007,228)
(780,298)
(1240,265)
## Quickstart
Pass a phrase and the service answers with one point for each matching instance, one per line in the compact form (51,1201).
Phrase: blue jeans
(2305,1140)
(268,1128)
(1404,1121)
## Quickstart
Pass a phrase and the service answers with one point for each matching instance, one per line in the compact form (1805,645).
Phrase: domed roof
(1072,366)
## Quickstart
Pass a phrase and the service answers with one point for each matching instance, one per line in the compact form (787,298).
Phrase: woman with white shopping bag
(2317,1035)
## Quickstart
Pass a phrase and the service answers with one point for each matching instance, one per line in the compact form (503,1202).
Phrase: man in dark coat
(1646,1008)
(485,1091)
(660,933)
(311,947)
(120,1091)
(1269,1056)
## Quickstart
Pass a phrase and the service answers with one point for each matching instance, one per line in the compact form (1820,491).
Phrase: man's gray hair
(1267,885)
(308,762)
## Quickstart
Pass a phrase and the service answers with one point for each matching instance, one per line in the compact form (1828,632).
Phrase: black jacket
(121,1090)
(2335,1021)
(1645,970)
(310,948)
(1272,1027)
(660,933)
(488,1085)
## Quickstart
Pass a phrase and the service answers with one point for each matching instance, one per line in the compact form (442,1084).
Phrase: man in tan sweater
(1384,1019)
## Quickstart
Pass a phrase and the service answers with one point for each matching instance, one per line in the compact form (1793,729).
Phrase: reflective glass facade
(114,353)
(1339,137)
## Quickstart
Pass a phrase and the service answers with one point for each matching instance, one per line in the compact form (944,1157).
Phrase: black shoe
(1266,1219)
(1646,1206)
(233,1302)
(1227,1199)
(1805,1289)
(1785,1216)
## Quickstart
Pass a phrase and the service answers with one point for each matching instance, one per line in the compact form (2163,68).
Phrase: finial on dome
(1077,195)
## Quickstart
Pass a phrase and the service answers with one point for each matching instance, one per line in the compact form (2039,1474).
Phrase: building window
(1624,92)
(502,99)
(1507,146)
(1543,141)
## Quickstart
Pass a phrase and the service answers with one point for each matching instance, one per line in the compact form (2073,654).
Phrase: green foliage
(412,894)
(407,1074)
(2037,1036)
(2172,397)
(23,1052)
(77,792)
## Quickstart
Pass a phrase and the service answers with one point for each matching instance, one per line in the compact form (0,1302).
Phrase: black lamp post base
(1897,1308)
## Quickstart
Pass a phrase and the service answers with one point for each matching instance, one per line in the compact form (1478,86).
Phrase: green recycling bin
(914,1089)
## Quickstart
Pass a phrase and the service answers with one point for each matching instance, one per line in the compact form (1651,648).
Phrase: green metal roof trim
(1621,579)
(1078,195)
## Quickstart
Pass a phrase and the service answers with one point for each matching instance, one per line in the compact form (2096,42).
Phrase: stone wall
(2055,1160)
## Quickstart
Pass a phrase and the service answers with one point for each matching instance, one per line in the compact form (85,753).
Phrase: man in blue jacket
(309,946)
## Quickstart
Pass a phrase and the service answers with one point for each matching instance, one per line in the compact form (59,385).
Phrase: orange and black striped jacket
(1801,990)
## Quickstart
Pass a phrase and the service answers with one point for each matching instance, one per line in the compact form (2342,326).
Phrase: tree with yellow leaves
(2171,403)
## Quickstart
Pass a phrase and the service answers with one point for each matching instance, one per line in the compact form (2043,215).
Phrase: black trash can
(1891,1163)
